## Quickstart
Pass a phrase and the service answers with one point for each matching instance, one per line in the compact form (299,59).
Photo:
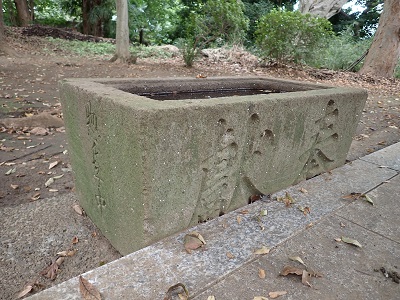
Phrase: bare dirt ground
(34,162)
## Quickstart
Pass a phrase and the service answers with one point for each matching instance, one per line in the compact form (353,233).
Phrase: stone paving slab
(149,272)
(383,217)
(348,271)
(389,156)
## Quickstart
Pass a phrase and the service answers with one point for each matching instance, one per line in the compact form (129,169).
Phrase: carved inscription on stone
(91,123)
(317,157)
(223,172)
(259,141)
(218,183)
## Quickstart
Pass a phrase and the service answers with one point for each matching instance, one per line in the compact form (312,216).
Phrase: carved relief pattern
(317,157)
(222,170)
(230,169)
(218,181)
(91,123)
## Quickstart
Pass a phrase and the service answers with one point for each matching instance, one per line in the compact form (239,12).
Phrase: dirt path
(29,159)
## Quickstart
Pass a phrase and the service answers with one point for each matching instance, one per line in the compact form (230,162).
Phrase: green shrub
(340,52)
(188,50)
(215,23)
(289,36)
(224,20)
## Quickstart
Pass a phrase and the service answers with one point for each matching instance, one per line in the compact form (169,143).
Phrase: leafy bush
(224,19)
(215,23)
(291,36)
(188,50)
(340,52)
(254,11)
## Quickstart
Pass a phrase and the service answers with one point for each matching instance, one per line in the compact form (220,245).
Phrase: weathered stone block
(145,169)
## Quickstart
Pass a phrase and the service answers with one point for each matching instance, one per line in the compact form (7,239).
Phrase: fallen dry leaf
(287,199)
(351,241)
(51,270)
(291,270)
(67,253)
(260,298)
(298,259)
(305,210)
(49,182)
(309,225)
(303,190)
(53,164)
(277,294)
(261,273)
(244,212)
(14,186)
(59,260)
(342,224)
(338,240)
(35,197)
(75,240)
(230,255)
(368,199)
(239,219)
(263,212)
(305,278)
(182,297)
(193,241)
(11,171)
(25,291)
(78,209)
(262,250)
(88,290)
(168,295)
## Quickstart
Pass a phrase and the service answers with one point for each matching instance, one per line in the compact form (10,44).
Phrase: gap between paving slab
(149,272)
(387,157)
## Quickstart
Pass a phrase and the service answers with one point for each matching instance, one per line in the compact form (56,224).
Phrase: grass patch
(84,48)
(89,49)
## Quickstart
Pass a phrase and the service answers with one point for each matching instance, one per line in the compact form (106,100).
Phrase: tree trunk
(1,23)
(321,8)
(24,16)
(122,38)
(384,53)
(86,6)
(3,43)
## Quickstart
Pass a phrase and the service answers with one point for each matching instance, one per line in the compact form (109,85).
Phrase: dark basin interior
(204,94)
(185,89)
